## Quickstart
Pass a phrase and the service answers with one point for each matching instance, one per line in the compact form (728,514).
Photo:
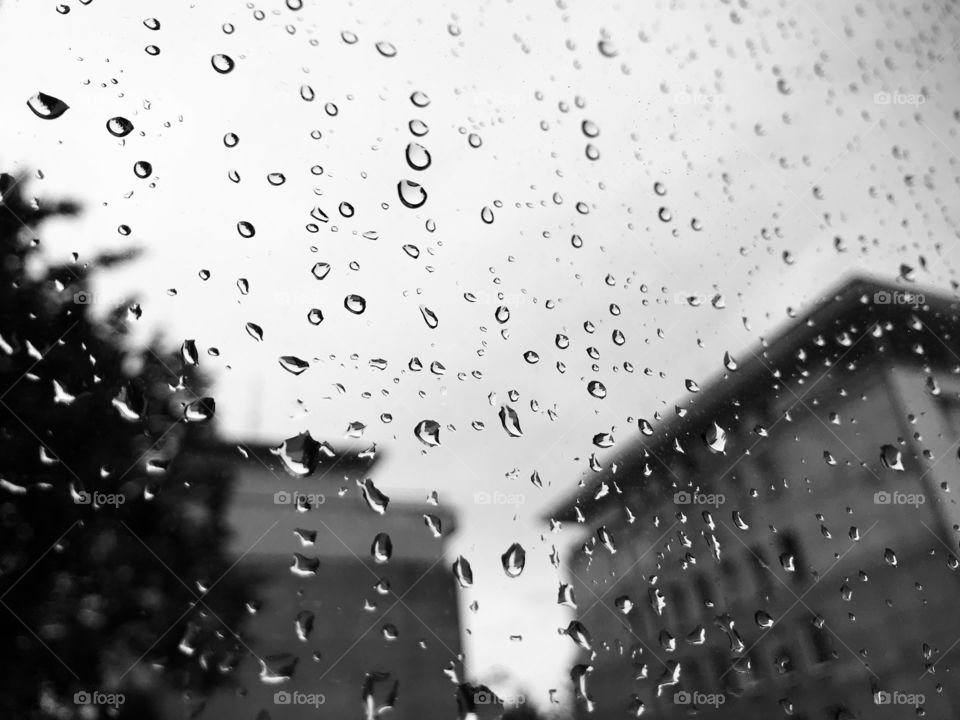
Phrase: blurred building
(349,599)
(783,545)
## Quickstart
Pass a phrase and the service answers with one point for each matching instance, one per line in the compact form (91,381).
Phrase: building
(352,606)
(785,544)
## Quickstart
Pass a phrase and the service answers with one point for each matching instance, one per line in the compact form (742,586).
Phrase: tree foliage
(111,522)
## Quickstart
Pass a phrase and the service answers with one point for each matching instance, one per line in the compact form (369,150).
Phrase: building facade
(786,544)
(351,607)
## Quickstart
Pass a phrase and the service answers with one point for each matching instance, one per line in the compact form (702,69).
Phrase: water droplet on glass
(418,157)
(246,229)
(386,49)
(222,63)
(597,389)
(47,106)
(119,126)
(411,194)
(293,365)
(189,353)
(382,548)
(355,304)
(300,454)
(428,432)
(142,169)
(510,421)
(607,48)
(429,317)
(375,499)
(320,270)
(892,458)
(304,625)
(513,560)
(420,99)
(200,410)
(463,572)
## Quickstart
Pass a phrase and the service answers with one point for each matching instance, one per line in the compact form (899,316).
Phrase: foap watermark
(510,300)
(698,698)
(286,497)
(690,498)
(898,98)
(98,499)
(88,297)
(884,297)
(698,98)
(882,697)
(95,697)
(498,498)
(295,697)
(895,497)
(694,299)
(483,697)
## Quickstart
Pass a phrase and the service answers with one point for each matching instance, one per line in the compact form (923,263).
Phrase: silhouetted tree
(111,522)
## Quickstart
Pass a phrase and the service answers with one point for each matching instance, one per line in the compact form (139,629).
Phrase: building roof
(856,322)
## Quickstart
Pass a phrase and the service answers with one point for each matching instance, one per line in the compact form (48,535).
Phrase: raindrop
(119,126)
(315,316)
(418,157)
(304,566)
(276,178)
(254,331)
(300,454)
(892,458)
(304,625)
(763,619)
(382,548)
(320,270)
(429,317)
(607,48)
(142,169)
(428,432)
(420,99)
(355,304)
(246,229)
(486,214)
(597,389)
(513,560)
(411,194)
(386,49)
(222,63)
(463,572)
(510,421)
(46,106)
(188,352)
(376,500)
(293,365)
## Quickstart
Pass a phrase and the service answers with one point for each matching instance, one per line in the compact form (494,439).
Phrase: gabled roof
(857,321)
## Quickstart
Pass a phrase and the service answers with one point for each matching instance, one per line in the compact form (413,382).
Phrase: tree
(111,522)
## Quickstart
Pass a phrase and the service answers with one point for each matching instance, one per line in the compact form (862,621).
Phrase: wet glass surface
(524,360)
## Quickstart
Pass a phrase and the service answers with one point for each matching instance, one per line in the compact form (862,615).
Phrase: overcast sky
(782,171)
